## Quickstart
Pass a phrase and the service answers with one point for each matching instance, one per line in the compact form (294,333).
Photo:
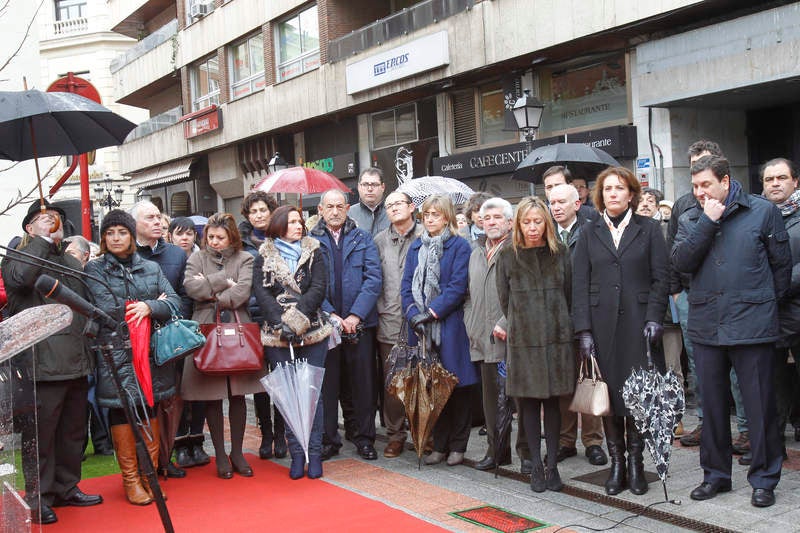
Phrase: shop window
(70,9)
(479,117)
(247,66)
(297,44)
(181,204)
(395,126)
(205,83)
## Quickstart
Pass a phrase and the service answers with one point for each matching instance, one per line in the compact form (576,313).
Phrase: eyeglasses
(370,184)
(433,215)
(396,204)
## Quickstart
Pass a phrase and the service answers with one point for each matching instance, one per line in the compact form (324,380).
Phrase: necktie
(564,236)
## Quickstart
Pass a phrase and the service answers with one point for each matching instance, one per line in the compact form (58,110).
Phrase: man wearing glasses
(369,213)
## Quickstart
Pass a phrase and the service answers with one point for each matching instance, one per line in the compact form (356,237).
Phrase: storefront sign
(416,56)
(616,141)
(499,160)
(342,166)
(202,121)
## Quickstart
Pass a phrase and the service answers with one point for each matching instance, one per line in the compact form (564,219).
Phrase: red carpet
(269,501)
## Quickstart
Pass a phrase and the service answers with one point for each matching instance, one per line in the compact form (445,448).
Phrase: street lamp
(277,163)
(102,194)
(144,195)
(528,112)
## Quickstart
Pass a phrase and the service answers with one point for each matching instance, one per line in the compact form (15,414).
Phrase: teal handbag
(175,339)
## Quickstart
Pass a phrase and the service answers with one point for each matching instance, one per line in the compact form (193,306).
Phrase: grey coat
(392,248)
(482,310)
(534,288)
(213,288)
(373,222)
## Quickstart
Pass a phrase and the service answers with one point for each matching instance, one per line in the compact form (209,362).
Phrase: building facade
(425,88)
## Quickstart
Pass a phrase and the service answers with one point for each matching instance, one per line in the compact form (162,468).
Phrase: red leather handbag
(230,348)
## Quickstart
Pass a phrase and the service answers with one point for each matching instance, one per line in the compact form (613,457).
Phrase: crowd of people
(526,293)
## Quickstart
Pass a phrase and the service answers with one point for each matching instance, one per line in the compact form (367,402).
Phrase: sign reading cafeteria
(419,55)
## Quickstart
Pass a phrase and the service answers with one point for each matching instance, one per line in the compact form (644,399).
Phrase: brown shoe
(679,430)
(393,449)
(742,443)
(693,438)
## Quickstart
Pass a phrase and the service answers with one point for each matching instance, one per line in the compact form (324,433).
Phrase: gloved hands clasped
(288,335)
(585,344)
(653,331)
(418,321)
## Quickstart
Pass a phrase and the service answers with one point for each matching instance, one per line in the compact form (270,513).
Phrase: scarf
(475,232)
(290,252)
(733,193)
(491,252)
(425,283)
(617,229)
(791,204)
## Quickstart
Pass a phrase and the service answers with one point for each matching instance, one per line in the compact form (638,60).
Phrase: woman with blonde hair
(433,290)
(534,278)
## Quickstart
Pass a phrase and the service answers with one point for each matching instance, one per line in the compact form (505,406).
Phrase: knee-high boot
(637,483)
(615,437)
(125,448)
(152,451)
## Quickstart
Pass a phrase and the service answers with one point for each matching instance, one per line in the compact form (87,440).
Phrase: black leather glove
(418,322)
(288,335)
(653,331)
(585,344)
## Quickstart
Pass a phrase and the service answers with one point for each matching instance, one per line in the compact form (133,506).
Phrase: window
(395,126)
(205,84)
(479,117)
(247,66)
(70,9)
(181,204)
(298,44)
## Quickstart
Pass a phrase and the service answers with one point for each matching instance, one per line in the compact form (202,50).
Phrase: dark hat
(118,217)
(36,208)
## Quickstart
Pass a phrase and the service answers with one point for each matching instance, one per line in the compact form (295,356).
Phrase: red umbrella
(140,348)
(300,180)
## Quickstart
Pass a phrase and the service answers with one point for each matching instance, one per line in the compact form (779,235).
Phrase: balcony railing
(401,23)
(158,122)
(66,27)
(161,35)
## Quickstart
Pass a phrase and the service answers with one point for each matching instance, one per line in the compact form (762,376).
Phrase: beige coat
(213,287)
(482,311)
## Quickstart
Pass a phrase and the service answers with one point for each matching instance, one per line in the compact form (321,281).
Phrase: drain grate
(498,519)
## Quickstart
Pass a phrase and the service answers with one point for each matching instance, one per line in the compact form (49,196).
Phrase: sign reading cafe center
(419,55)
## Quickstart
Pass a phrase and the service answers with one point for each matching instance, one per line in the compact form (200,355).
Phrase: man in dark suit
(558,175)
(564,206)
(736,248)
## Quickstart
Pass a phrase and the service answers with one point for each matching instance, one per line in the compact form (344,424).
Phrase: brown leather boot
(153,446)
(125,447)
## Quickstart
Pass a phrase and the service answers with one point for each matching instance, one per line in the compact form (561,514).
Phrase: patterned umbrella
(420,188)
(656,403)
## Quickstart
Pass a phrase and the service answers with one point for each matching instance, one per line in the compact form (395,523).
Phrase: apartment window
(247,66)
(479,117)
(70,9)
(298,44)
(205,84)
(395,126)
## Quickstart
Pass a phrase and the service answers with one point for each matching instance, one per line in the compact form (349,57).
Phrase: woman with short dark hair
(619,296)
(290,281)
(219,276)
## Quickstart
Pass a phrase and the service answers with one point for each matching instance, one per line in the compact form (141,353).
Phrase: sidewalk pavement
(432,492)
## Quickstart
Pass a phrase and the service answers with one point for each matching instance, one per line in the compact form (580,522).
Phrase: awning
(163,174)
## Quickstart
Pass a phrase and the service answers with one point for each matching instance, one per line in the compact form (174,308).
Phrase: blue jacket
(448,306)
(361,272)
(740,267)
(172,260)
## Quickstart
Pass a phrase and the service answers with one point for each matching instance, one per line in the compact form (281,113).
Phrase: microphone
(50,287)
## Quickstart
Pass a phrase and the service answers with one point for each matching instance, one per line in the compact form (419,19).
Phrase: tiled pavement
(431,492)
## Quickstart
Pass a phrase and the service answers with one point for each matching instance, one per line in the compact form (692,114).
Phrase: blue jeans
(315,354)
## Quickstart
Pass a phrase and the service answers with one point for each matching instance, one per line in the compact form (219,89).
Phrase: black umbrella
(656,402)
(505,414)
(582,160)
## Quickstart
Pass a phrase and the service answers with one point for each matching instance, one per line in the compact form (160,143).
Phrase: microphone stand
(119,338)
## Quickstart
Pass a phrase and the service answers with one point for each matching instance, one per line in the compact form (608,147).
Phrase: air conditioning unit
(200,9)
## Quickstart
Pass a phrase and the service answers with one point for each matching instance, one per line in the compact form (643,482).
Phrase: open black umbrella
(582,160)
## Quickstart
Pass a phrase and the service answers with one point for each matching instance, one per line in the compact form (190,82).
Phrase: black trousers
(351,366)
(61,432)
(754,364)
(451,432)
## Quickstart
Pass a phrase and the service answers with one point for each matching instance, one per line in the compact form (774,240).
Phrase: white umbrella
(420,188)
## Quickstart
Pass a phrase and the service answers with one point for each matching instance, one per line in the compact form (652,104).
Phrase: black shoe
(566,451)
(265,450)
(706,491)
(746,459)
(526,467)
(199,455)
(183,458)
(553,480)
(328,451)
(43,515)
(762,497)
(538,483)
(172,471)
(78,499)
(596,455)
(367,451)
(482,432)
(487,463)
(104,450)
(279,447)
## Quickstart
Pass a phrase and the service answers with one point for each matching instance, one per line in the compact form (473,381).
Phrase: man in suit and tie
(564,206)
(559,175)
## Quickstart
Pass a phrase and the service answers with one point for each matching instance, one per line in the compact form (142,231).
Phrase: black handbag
(175,339)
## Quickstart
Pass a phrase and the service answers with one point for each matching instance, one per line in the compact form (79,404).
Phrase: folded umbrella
(140,349)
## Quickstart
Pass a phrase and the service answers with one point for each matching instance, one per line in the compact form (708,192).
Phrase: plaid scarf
(791,204)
